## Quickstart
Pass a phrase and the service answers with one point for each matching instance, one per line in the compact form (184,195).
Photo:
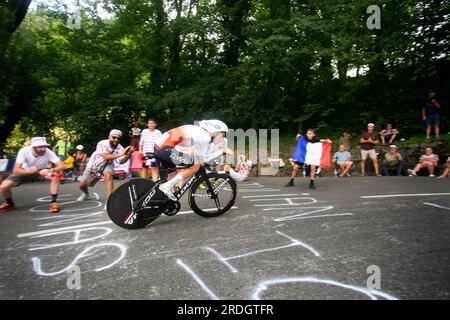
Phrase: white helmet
(213,126)
(80,147)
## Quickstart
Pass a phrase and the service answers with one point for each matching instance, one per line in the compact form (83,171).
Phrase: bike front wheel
(119,205)
(212,195)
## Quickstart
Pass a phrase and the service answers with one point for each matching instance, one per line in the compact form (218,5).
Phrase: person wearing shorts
(32,163)
(147,144)
(430,114)
(368,140)
(103,157)
(446,172)
(429,160)
(343,160)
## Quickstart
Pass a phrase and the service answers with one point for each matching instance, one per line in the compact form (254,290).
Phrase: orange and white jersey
(186,136)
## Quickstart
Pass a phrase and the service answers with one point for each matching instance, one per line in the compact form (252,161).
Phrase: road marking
(257,190)
(435,205)
(264,285)
(197,279)
(29,234)
(210,209)
(271,195)
(312,217)
(317,254)
(405,195)
(294,242)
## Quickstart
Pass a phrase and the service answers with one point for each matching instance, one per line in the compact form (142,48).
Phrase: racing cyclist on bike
(189,145)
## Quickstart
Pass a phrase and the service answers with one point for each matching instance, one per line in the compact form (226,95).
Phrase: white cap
(393,146)
(39,142)
(115,132)
(80,147)
(370,125)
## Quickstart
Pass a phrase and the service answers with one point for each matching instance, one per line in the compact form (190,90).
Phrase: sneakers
(167,190)
(84,197)
(312,185)
(432,176)
(5,206)
(54,208)
(290,183)
(412,173)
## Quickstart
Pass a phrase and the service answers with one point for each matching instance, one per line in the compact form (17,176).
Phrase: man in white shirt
(103,160)
(147,144)
(32,162)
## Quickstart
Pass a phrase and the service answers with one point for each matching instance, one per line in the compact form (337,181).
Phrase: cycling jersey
(184,138)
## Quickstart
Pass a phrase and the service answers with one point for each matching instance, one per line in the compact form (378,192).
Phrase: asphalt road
(352,238)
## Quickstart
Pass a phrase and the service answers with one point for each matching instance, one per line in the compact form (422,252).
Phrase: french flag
(317,154)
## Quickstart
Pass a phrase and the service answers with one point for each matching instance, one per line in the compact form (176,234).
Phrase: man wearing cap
(103,159)
(32,162)
(368,140)
(392,160)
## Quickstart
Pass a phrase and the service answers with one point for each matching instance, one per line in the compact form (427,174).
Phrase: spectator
(368,140)
(70,164)
(430,113)
(102,162)
(32,162)
(388,135)
(429,160)
(5,168)
(147,144)
(242,169)
(343,160)
(62,147)
(346,140)
(310,138)
(446,172)
(135,134)
(80,160)
(392,161)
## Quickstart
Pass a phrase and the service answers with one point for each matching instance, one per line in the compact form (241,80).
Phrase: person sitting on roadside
(446,172)
(388,135)
(70,164)
(392,160)
(241,170)
(343,161)
(428,160)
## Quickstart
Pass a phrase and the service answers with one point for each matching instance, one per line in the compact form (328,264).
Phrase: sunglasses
(115,138)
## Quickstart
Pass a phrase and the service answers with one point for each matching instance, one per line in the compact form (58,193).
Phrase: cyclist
(189,145)
(32,162)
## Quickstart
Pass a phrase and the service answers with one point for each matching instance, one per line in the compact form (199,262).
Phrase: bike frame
(146,199)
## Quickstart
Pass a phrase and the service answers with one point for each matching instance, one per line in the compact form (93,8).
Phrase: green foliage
(261,64)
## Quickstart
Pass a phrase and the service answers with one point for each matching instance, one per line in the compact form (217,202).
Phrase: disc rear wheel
(119,204)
